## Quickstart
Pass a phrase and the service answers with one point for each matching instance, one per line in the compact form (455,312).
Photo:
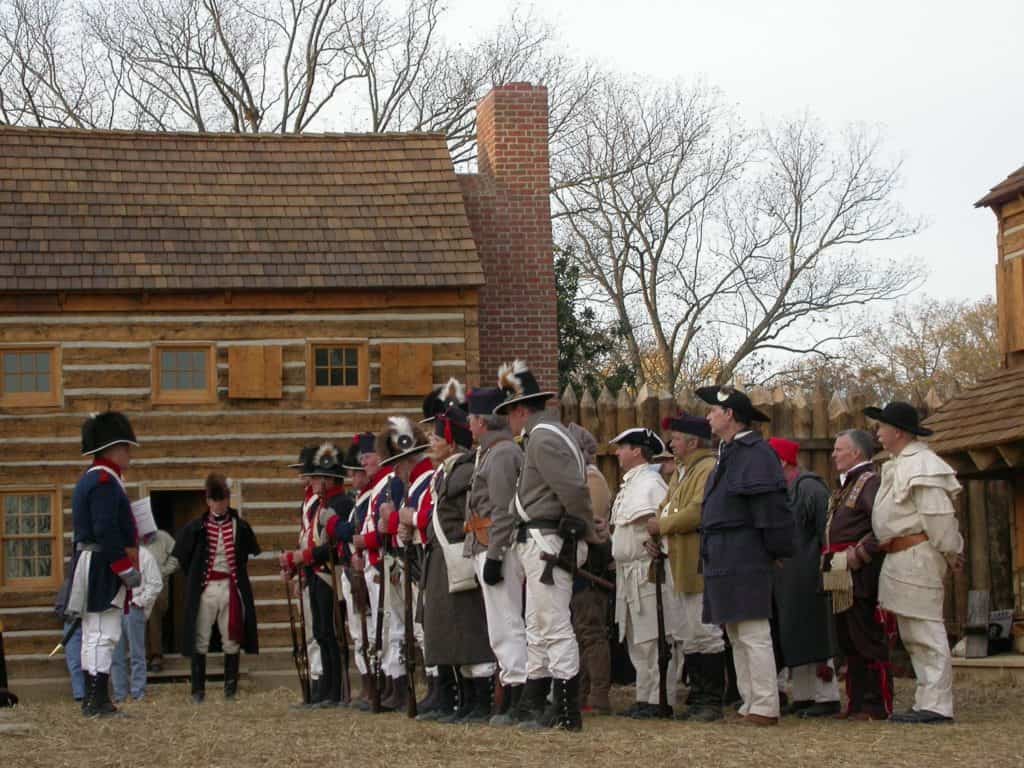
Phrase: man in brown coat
(678,522)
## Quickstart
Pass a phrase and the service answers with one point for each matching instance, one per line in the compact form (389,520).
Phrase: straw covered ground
(260,730)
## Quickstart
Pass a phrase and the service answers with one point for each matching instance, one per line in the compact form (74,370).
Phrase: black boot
(102,705)
(198,677)
(483,700)
(428,702)
(710,676)
(90,681)
(512,706)
(464,702)
(567,701)
(532,708)
(230,675)
(447,695)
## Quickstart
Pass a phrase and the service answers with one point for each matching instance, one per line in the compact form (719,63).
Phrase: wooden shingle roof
(1012,186)
(988,416)
(108,210)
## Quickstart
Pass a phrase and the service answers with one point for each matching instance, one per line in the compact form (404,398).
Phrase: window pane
(168,360)
(183,380)
(321,377)
(351,357)
(11,561)
(42,382)
(166,379)
(335,377)
(28,362)
(44,560)
(11,362)
(12,382)
(42,362)
(336,357)
(320,355)
(198,362)
(43,523)
(351,377)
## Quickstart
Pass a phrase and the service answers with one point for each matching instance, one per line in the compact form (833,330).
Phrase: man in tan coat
(678,522)
(915,524)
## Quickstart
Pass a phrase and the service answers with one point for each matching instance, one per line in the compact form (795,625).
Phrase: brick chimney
(509,212)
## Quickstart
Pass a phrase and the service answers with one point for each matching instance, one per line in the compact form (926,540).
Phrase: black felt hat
(519,385)
(327,462)
(688,425)
(104,430)
(305,456)
(351,460)
(400,440)
(641,436)
(900,415)
(453,427)
(734,400)
(483,400)
(442,398)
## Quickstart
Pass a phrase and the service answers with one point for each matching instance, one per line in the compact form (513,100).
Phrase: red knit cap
(786,450)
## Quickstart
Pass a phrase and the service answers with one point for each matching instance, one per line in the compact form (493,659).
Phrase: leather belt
(901,543)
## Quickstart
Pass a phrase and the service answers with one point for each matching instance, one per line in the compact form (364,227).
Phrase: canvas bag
(461,573)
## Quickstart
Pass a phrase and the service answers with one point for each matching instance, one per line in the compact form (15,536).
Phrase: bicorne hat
(400,440)
(519,385)
(640,436)
(900,415)
(104,430)
(442,398)
(327,463)
(483,400)
(453,427)
(687,424)
(734,400)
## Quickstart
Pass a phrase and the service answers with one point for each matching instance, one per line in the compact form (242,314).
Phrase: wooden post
(998,503)
(761,399)
(961,580)
(570,406)
(820,427)
(977,623)
(625,413)
(666,407)
(782,414)
(977,538)
(648,410)
(588,414)
(607,423)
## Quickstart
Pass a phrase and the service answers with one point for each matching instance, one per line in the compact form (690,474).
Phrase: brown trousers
(155,627)
(590,623)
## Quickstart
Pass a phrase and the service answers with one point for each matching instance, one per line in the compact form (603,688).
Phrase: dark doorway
(172,510)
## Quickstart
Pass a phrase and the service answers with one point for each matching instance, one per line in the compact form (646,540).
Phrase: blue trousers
(133,634)
(73,657)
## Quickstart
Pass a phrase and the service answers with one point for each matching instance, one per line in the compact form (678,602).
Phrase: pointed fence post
(570,406)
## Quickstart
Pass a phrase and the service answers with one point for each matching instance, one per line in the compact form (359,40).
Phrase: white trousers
(355,625)
(698,637)
(101,632)
(505,627)
(756,676)
(374,584)
(644,656)
(213,609)
(316,666)
(928,646)
(551,648)
(393,666)
(807,686)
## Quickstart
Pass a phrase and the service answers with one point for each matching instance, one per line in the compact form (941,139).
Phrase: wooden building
(239,296)
(981,430)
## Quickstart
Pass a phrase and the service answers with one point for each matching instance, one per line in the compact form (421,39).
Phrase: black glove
(131,578)
(492,572)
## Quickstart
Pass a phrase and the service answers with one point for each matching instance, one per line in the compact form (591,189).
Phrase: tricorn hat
(483,400)
(734,400)
(688,425)
(442,398)
(305,456)
(641,436)
(327,463)
(400,440)
(103,430)
(453,427)
(900,415)
(519,385)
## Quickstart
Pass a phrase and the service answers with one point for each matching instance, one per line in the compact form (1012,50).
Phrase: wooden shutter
(406,369)
(254,372)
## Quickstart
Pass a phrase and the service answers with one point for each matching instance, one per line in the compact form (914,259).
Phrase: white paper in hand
(143,512)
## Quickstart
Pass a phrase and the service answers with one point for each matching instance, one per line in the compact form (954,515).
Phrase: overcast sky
(945,80)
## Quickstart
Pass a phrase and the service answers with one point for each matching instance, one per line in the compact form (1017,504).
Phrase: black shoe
(533,705)
(198,677)
(230,675)
(653,712)
(796,707)
(920,716)
(483,701)
(102,705)
(821,709)
(447,696)
(428,702)
(700,713)
(634,709)
(513,698)
(465,700)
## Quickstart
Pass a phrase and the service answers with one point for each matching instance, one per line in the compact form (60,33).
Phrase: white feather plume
(403,434)
(453,392)
(326,451)
(508,376)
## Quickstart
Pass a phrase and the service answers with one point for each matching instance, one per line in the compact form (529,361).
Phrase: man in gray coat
(490,531)
(803,614)
(553,504)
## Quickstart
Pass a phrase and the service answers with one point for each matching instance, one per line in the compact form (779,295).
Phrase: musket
(664,651)
(299,648)
(67,636)
(339,629)
(377,673)
(410,635)
(565,565)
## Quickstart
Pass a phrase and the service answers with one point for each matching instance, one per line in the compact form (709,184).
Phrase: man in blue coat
(106,552)
(746,527)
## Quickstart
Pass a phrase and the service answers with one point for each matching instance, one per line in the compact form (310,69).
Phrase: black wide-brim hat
(400,441)
(305,458)
(734,400)
(105,430)
(326,462)
(453,427)
(900,415)
(519,385)
(482,401)
(641,436)
(687,425)
(351,460)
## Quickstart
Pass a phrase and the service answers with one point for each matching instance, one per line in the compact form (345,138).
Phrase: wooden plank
(977,537)
(1018,511)
(999,502)
(984,458)
(977,624)
(406,369)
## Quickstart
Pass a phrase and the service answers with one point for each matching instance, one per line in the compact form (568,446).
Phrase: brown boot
(398,696)
(387,694)
(362,701)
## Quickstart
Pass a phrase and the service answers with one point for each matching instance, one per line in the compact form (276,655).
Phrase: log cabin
(238,297)
(980,432)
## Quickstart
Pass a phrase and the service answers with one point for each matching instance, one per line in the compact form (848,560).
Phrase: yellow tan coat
(679,520)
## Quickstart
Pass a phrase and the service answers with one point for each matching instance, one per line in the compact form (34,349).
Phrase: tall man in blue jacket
(106,552)
(747,527)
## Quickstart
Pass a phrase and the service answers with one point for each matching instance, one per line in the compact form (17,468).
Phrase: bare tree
(708,246)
